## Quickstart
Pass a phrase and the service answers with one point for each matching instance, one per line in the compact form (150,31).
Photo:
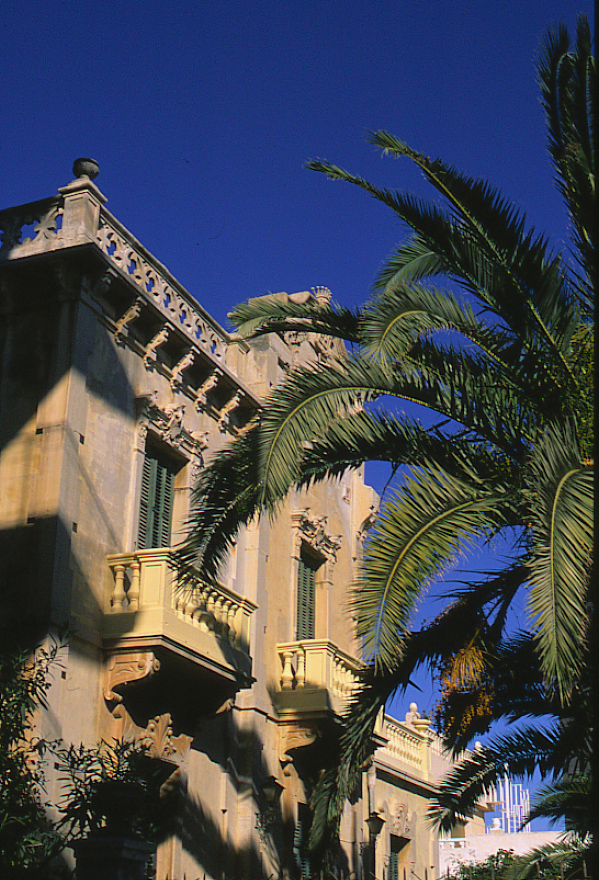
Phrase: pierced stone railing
(159,286)
(77,216)
(318,664)
(146,600)
(30,229)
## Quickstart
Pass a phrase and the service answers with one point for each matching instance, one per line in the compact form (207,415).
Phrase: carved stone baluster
(118,594)
(301,668)
(190,605)
(224,617)
(220,614)
(231,615)
(201,613)
(287,674)
(133,592)
(210,603)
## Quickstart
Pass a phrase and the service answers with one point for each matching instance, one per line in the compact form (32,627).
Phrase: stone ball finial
(86,168)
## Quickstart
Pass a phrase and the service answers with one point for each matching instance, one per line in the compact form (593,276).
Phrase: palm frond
(226,496)
(568,82)
(418,534)
(303,408)
(275,314)
(560,500)
(526,750)
(411,261)
(567,797)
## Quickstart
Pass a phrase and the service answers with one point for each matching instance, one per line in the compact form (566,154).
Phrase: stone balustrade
(318,664)
(146,601)
(403,744)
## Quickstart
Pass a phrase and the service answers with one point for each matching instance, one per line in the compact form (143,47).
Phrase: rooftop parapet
(78,218)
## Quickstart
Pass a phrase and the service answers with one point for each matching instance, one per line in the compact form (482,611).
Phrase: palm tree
(502,364)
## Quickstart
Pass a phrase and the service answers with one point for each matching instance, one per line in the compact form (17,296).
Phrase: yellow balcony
(148,610)
(316,678)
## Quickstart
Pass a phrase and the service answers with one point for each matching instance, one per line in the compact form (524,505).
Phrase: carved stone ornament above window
(313,531)
(168,423)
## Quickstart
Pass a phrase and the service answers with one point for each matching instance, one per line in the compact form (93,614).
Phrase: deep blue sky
(202,114)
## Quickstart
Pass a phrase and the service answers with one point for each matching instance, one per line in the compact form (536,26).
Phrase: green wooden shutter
(393,872)
(300,843)
(156,502)
(306,583)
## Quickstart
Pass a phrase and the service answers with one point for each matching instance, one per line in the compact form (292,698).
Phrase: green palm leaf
(560,500)
(275,314)
(418,535)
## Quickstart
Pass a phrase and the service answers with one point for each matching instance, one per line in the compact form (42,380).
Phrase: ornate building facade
(116,387)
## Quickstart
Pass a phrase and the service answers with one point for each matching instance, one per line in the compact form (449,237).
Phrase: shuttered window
(156,505)
(306,583)
(395,870)
(300,839)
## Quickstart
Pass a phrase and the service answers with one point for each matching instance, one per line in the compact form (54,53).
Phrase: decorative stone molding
(312,531)
(159,742)
(168,423)
(158,286)
(124,669)
(399,821)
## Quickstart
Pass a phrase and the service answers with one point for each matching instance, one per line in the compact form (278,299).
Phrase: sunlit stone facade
(116,388)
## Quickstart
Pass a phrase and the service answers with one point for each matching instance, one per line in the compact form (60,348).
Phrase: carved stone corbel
(102,285)
(122,326)
(224,416)
(179,368)
(369,521)
(200,441)
(152,347)
(159,742)
(292,737)
(124,669)
(202,392)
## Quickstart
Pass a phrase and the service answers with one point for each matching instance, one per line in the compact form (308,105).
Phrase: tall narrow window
(156,505)
(397,870)
(306,592)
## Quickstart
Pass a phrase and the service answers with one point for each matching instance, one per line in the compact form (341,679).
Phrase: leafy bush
(27,841)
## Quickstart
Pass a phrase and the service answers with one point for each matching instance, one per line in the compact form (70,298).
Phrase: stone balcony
(405,747)
(206,628)
(317,678)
